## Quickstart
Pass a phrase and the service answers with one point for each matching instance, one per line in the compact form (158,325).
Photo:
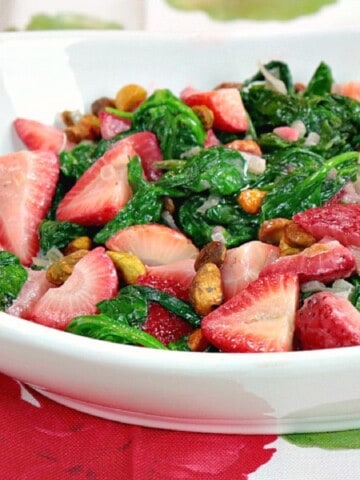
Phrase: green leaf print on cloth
(252,9)
(346,439)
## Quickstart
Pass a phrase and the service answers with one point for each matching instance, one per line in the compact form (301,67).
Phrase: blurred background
(178,15)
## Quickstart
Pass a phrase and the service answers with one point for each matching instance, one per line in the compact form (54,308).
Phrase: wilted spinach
(12,277)
(54,233)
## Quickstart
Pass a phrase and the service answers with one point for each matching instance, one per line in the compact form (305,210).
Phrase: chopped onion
(299,125)
(312,139)
(191,152)
(255,163)
(217,234)
(169,220)
(44,261)
(212,201)
(273,83)
(341,287)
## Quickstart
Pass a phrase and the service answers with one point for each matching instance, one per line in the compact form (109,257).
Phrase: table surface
(42,440)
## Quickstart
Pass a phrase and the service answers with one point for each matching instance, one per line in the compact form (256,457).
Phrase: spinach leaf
(54,233)
(199,220)
(171,303)
(73,163)
(321,81)
(355,296)
(300,190)
(12,277)
(219,170)
(129,307)
(103,327)
(176,126)
(279,70)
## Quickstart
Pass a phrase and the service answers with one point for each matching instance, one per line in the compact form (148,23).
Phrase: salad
(220,220)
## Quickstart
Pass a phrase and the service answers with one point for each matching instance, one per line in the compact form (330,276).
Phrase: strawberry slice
(153,243)
(290,134)
(323,261)
(28,181)
(243,265)
(261,318)
(147,147)
(110,124)
(164,325)
(93,279)
(338,221)
(226,104)
(33,289)
(211,139)
(37,136)
(173,278)
(101,191)
(349,89)
(327,321)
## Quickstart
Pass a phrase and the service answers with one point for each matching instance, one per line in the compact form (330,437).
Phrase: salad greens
(204,184)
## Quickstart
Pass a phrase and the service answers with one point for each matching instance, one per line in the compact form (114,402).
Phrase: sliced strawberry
(289,134)
(93,279)
(28,181)
(327,321)
(101,191)
(153,243)
(110,124)
(37,136)
(173,278)
(226,104)
(261,318)
(33,289)
(323,261)
(339,221)
(243,265)
(147,147)
(347,194)
(211,139)
(349,89)
(164,325)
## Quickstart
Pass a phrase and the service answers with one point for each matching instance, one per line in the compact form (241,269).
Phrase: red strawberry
(347,194)
(28,181)
(164,325)
(339,221)
(93,279)
(110,124)
(289,134)
(261,318)
(325,262)
(211,139)
(173,278)
(153,243)
(226,104)
(147,147)
(243,265)
(327,321)
(37,136)
(101,191)
(33,289)
(349,89)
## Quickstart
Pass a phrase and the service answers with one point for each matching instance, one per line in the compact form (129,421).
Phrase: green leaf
(176,126)
(346,439)
(54,233)
(73,163)
(103,327)
(12,278)
(130,307)
(321,82)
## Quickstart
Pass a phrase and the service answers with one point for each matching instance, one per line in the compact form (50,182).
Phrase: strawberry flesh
(323,261)
(28,181)
(164,325)
(327,321)
(37,136)
(226,104)
(243,265)
(261,318)
(93,279)
(110,124)
(153,243)
(101,191)
(338,221)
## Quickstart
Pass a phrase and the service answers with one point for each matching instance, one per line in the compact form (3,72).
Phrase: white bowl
(43,74)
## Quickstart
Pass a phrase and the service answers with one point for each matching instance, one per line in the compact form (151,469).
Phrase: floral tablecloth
(42,440)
